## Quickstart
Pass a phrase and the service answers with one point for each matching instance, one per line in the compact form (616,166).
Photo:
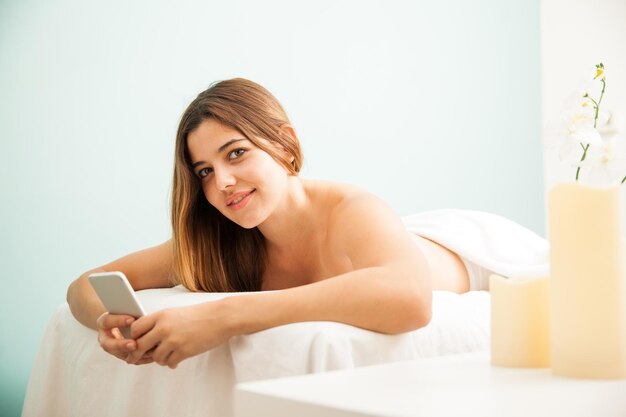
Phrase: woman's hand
(179,333)
(112,340)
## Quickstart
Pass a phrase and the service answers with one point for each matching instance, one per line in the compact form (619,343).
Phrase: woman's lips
(236,205)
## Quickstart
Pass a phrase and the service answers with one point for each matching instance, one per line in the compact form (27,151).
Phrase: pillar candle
(520,334)
(587,294)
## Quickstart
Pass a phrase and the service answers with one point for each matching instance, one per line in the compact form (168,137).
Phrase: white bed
(73,377)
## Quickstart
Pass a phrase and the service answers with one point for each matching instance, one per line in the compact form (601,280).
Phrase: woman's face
(239,179)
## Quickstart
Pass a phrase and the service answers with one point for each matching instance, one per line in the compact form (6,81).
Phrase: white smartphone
(117,295)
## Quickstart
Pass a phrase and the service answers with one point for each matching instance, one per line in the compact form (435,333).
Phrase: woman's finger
(142,326)
(111,344)
(150,352)
(161,353)
(174,359)
(110,321)
(145,344)
(143,361)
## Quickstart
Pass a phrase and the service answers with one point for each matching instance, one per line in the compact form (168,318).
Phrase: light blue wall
(427,104)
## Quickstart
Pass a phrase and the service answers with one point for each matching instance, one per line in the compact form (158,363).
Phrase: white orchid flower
(580,110)
(579,135)
(606,165)
(575,130)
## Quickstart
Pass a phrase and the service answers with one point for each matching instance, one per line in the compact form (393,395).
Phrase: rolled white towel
(487,243)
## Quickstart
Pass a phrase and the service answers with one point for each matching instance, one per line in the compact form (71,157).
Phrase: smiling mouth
(240,198)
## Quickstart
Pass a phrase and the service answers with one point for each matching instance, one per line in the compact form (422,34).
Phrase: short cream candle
(520,335)
(588,282)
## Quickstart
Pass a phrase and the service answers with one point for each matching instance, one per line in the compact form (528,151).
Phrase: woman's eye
(204,172)
(236,153)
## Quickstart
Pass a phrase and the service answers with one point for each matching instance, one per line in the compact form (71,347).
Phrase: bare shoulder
(337,197)
(351,206)
(363,226)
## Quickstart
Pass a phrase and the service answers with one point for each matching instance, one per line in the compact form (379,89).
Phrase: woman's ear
(289,130)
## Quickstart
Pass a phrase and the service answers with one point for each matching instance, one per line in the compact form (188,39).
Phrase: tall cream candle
(520,334)
(588,288)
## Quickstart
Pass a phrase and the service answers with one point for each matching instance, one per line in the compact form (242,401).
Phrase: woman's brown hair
(212,253)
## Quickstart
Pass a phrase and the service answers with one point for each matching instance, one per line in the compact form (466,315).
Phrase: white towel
(485,239)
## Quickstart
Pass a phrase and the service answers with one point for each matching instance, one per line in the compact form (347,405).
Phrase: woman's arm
(389,291)
(148,268)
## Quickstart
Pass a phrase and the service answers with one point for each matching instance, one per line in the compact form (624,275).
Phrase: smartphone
(117,295)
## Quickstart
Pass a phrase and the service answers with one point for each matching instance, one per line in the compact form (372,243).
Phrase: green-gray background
(426,104)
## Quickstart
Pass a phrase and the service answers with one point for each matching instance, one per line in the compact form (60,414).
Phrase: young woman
(243,220)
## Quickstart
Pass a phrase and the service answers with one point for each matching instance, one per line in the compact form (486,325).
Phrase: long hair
(212,253)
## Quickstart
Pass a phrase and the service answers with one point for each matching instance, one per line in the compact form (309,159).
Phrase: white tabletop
(458,385)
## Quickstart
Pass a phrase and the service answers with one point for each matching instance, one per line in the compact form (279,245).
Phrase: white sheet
(73,377)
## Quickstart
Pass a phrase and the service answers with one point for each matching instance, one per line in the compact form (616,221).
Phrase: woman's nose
(223,178)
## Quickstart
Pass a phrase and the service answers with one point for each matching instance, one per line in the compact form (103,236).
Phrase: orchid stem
(585,148)
(595,121)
